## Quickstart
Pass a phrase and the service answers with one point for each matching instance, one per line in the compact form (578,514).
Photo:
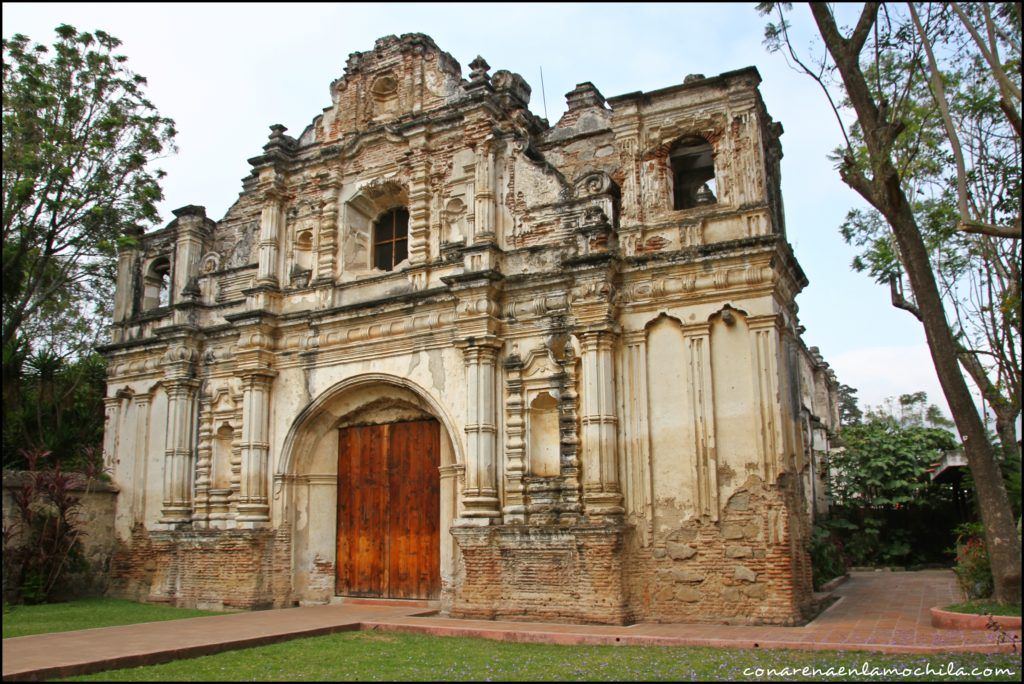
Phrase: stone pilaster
(141,471)
(480,493)
(484,181)
(764,337)
(179,437)
(602,496)
(112,412)
(253,502)
(327,243)
(271,220)
(204,460)
(193,228)
(514,510)
(419,201)
(702,407)
(127,260)
(636,447)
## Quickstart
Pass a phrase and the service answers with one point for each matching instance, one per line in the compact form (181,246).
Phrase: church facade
(440,349)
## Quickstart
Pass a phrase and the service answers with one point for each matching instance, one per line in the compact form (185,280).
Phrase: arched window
(391,239)
(157,284)
(693,174)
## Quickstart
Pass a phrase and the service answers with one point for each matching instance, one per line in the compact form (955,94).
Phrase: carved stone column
(701,402)
(764,337)
(419,199)
(484,181)
(480,493)
(327,244)
(514,510)
(253,502)
(204,460)
(602,496)
(179,440)
(271,220)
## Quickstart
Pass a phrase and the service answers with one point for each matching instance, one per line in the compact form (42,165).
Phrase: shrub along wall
(96,516)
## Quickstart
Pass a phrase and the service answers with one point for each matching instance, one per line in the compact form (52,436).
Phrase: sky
(226,72)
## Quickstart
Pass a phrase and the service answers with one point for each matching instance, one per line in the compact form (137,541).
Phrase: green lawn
(384,656)
(87,613)
(983,607)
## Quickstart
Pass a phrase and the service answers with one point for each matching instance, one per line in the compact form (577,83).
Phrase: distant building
(440,349)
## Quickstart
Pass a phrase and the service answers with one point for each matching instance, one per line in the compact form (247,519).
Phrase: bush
(973,570)
(827,558)
(43,544)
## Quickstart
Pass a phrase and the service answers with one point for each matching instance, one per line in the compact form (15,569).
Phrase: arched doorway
(389,510)
(308,496)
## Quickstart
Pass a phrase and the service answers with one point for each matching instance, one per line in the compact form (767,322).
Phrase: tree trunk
(885,193)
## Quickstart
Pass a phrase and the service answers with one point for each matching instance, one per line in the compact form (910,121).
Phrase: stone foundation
(562,574)
(212,569)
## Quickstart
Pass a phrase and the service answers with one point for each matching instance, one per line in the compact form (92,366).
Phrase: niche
(544,437)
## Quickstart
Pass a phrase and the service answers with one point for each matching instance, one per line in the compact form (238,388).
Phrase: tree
(879,64)
(78,139)
(849,412)
(882,496)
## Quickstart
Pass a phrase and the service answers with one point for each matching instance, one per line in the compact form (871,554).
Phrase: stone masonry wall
(749,567)
(212,569)
(564,574)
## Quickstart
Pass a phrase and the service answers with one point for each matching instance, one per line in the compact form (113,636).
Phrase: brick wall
(748,567)
(565,574)
(205,568)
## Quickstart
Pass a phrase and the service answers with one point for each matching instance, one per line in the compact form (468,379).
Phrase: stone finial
(277,131)
(584,95)
(693,78)
(478,70)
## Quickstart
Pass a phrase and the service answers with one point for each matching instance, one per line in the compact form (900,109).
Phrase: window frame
(393,241)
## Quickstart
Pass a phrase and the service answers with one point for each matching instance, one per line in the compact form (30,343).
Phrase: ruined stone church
(440,349)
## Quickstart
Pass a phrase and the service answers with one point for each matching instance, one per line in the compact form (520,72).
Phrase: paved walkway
(876,611)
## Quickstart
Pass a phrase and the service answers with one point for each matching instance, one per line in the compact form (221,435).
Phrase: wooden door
(389,510)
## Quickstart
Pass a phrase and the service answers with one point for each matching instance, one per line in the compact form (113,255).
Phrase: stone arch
(294,440)
(306,479)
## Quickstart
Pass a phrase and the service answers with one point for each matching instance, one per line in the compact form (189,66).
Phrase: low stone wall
(548,572)
(210,569)
(96,516)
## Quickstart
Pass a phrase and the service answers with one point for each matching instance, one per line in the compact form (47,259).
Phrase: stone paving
(876,611)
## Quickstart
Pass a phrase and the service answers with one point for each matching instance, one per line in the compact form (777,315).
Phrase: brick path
(876,611)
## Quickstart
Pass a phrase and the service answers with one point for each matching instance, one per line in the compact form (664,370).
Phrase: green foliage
(42,545)
(827,558)
(78,139)
(973,569)
(849,412)
(885,509)
(56,406)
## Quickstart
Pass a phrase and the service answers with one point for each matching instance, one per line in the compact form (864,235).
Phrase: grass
(386,656)
(85,614)
(983,607)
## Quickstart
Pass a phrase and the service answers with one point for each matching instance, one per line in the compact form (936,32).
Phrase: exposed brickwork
(205,568)
(748,567)
(565,574)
